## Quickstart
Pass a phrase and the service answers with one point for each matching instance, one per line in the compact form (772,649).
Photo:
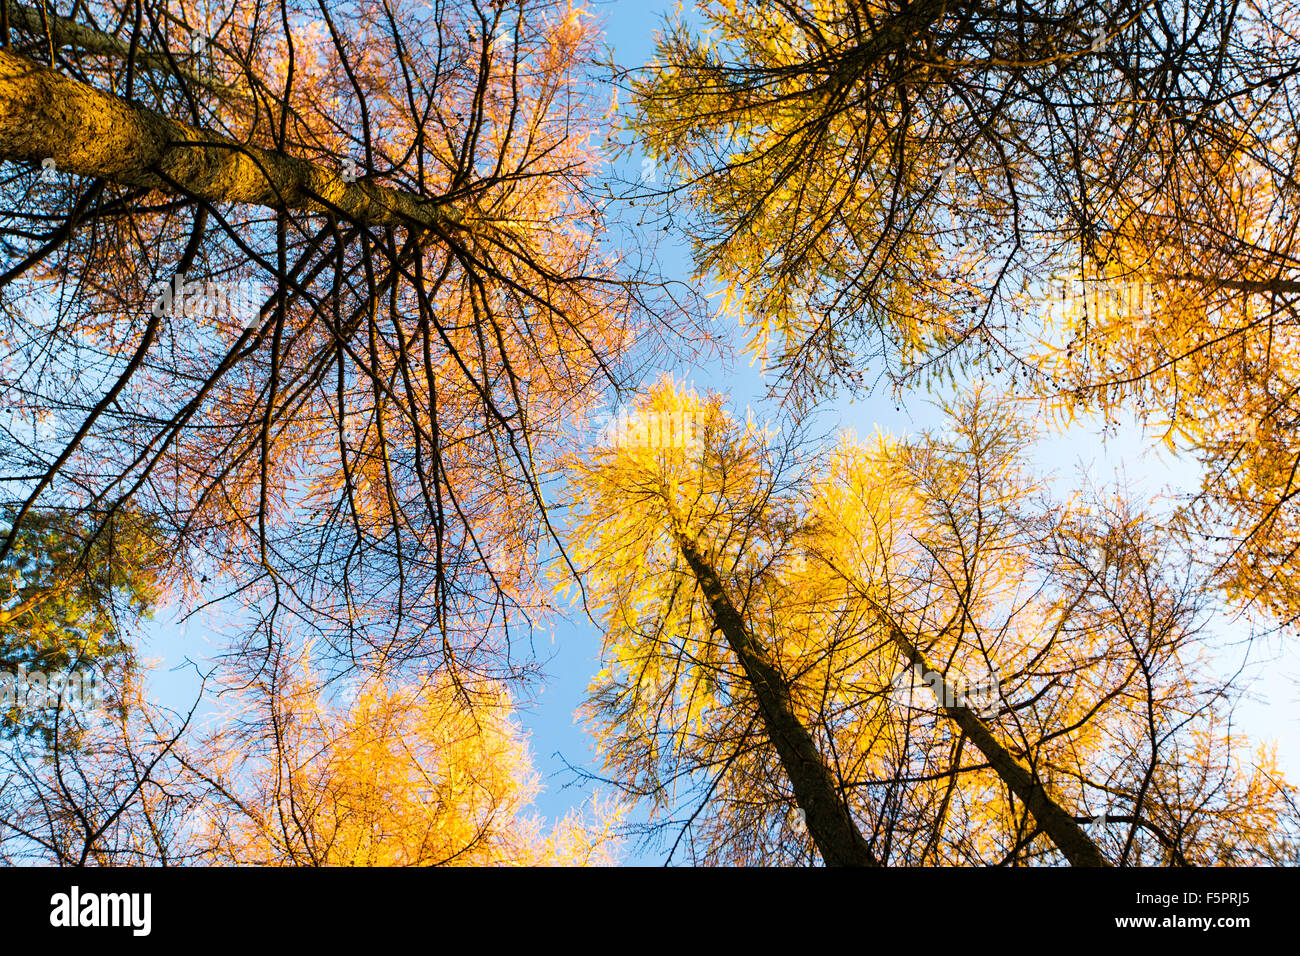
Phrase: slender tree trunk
(1060,826)
(47,115)
(827,816)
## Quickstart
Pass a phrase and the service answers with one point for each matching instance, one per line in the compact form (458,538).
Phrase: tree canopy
(849,573)
(307,311)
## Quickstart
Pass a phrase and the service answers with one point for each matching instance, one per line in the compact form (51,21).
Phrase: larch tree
(1187,315)
(318,287)
(315,291)
(299,303)
(773,620)
(297,770)
(893,175)
(397,776)
(1091,202)
(106,790)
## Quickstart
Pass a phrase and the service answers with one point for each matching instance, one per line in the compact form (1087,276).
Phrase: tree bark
(827,816)
(1060,827)
(47,115)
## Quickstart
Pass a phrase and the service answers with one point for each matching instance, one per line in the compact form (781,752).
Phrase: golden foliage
(408,775)
(1067,609)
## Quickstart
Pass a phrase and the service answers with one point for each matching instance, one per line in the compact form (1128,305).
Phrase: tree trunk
(47,115)
(1059,826)
(827,816)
